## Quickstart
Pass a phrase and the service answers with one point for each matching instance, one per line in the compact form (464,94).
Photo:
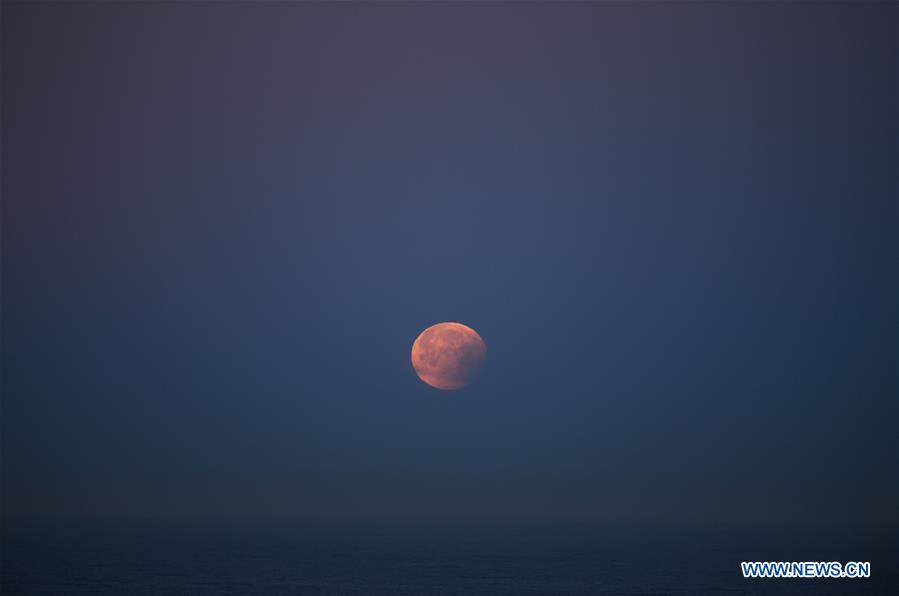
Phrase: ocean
(214,557)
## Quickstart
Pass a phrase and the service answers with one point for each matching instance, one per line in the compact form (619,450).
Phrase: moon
(448,355)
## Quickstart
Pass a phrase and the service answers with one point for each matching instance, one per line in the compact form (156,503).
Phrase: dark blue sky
(223,225)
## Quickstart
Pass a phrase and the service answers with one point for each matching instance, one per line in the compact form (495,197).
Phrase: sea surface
(255,558)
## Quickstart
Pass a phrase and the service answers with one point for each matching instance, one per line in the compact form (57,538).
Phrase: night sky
(673,224)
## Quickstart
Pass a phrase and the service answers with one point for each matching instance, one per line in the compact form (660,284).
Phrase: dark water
(147,557)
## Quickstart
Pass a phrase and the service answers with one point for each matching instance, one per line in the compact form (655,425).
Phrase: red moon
(448,355)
